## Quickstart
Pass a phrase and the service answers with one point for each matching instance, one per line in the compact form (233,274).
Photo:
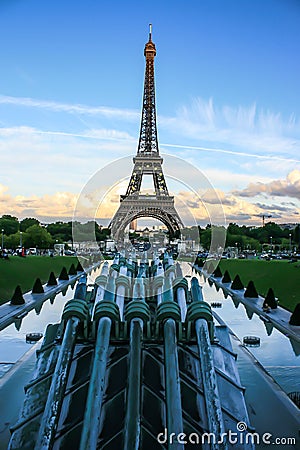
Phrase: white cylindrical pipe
(120,299)
(99,293)
(104,270)
(181,299)
(123,270)
(159,295)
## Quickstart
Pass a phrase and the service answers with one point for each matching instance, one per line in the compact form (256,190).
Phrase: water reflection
(296,346)
(13,346)
(13,343)
(277,353)
(38,308)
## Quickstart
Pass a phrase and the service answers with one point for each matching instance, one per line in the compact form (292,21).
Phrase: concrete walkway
(278,317)
(13,313)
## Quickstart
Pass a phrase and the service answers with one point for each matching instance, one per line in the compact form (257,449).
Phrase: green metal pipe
(57,389)
(211,394)
(132,420)
(209,378)
(120,296)
(172,381)
(91,422)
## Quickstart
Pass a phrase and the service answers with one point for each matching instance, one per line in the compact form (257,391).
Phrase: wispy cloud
(108,134)
(231,152)
(257,131)
(70,108)
(97,134)
(248,131)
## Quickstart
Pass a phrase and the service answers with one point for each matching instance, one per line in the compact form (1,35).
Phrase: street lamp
(271,239)
(290,236)
(21,242)
(2,238)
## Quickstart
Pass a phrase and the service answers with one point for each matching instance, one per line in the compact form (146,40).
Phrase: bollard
(72,270)
(52,280)
(17,298)
(237,284)
(217,272)
(79,267)
(251,291)
(63,274)
(226,277)
(37,287)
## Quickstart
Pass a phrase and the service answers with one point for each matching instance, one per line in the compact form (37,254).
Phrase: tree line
(270,236)
(29,232)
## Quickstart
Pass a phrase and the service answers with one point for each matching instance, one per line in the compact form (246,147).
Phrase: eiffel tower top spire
(150,32)
(148,141)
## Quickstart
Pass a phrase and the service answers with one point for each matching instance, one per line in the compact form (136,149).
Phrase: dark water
(277,353)
(19,358)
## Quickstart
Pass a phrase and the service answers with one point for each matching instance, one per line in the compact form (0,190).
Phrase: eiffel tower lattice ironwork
(148,161)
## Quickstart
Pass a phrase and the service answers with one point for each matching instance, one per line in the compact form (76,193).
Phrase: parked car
(70,253)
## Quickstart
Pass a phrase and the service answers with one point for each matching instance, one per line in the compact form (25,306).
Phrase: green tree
(233,228)
(28,222)
(250,243)
(234,240)
(101,233)
(37,236)
(13,241)
(275,231)
(205,238)
(296,235)
(9,224)
(62,231)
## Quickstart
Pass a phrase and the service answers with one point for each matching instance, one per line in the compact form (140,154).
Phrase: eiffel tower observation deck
(134,204)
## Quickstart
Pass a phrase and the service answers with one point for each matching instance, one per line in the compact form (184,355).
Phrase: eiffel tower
(147,161)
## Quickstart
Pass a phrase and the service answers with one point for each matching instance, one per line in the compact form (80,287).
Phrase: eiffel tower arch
(134,204)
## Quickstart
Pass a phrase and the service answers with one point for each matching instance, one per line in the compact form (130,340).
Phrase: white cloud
(288,187)
(59,204)
(35,162)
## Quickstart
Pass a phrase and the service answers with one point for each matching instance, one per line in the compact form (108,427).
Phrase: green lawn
(24,271)
(282,276)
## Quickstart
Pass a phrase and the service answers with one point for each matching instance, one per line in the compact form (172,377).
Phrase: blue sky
(227,92)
